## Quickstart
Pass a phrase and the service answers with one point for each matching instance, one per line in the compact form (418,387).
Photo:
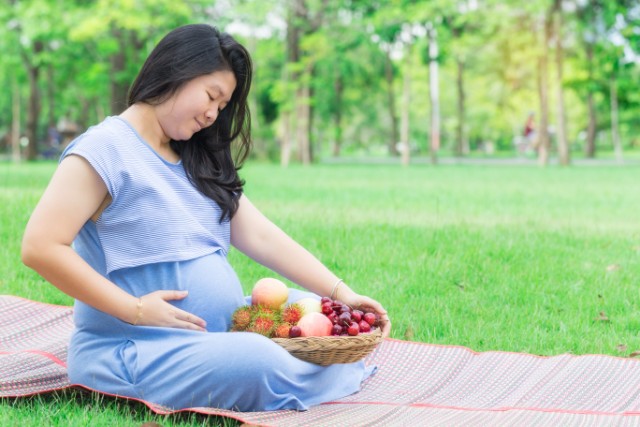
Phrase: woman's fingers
(157,311)
(172,295)
(386,325)
(187,320)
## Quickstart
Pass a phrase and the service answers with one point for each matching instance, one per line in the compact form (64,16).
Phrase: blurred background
(372,80)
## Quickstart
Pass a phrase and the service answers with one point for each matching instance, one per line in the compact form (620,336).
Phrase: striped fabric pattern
(417,384)
(156,214)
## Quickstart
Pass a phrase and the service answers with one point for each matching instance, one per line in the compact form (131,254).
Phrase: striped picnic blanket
(416,384)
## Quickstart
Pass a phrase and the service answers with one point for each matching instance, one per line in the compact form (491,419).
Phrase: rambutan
(241,318)
(282,330)
(264,309)
(291,314)
(263,325)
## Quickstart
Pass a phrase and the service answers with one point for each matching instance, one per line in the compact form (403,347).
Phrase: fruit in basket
(327,309)
(295,331)
(344,319)
(282,330)
(333,317)
(370,318)
(309,305)
(269,292)
(336,330)
(262,324)
(315,325)
(292,313)
(348,321)
(241,318)
(353,329)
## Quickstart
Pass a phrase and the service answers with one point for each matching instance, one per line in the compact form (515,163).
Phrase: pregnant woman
(136,225)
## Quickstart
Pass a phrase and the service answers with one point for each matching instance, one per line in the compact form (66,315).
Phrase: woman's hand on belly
(153,309)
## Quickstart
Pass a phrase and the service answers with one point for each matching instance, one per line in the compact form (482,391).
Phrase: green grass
(513,258)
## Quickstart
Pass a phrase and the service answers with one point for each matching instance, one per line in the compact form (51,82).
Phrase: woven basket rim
(332,349)
(374,335)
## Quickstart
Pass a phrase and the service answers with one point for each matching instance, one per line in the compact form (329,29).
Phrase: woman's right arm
(73,196)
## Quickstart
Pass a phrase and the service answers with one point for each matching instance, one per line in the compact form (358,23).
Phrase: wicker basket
(332,349)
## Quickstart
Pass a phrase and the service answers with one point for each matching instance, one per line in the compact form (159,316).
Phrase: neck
(143,119)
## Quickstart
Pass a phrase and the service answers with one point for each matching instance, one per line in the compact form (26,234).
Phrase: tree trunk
(338,88)
(35,103)
(285,142)
(590,145)
(406,107)
(615,133)
(291,78)
(543,144)
(15,120)
(563,143)
(434,95)
(302,123)
(303,103)
(259,146)
(51,96)
(462,144)
(391,103)
(118,87)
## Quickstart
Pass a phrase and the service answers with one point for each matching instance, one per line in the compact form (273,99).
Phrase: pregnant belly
(214,289)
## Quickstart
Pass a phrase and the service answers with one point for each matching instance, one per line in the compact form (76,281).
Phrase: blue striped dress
(160,232)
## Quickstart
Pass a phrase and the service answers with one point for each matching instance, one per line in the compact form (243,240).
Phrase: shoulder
(108,149)
(107,135)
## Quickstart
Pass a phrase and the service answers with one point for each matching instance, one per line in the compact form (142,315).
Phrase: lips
(200,126)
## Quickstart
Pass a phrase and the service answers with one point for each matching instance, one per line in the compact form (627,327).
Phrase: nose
(211,115)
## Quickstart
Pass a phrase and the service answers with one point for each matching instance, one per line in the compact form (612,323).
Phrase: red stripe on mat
(40,353)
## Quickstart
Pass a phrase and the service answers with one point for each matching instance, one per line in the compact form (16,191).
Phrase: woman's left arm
(257,237)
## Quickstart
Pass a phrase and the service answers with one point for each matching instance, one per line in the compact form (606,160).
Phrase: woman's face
(195,105)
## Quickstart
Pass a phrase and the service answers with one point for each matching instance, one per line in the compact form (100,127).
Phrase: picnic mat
(417,384)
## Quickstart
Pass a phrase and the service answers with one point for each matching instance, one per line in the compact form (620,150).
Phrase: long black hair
(183,54)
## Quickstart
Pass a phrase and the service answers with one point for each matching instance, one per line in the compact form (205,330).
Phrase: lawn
(514,258)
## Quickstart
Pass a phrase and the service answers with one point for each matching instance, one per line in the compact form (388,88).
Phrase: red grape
(344,319)
(333,317)
(353,329)
(326,308)
(295,331)
(364,326)
(370,318)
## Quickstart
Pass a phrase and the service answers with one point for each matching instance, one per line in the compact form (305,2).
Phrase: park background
(392,79)
(486,239)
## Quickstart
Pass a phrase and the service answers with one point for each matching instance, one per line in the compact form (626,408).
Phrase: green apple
(309,305)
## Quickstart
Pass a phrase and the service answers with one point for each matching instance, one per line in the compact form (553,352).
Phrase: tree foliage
(72,61)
